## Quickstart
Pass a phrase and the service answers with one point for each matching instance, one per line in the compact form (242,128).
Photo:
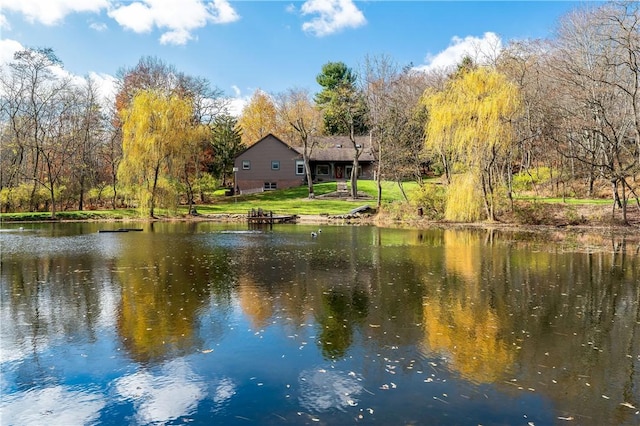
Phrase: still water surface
(213,324)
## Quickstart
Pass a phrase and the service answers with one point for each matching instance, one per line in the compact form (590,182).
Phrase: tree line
(559,116)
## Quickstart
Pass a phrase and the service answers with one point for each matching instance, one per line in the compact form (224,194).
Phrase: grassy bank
(287,201)
(295,201)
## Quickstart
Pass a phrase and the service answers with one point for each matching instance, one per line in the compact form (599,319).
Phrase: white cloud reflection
(56,405)
(322,390)
(159,398)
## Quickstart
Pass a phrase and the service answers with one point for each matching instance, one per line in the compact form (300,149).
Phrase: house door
(339,172)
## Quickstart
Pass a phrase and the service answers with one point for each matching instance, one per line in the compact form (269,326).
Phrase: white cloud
(222,12)
(334,15)
(291,8)
(237,102)
(482,50)
(105,83)
(7,49)
(177,37)
(98,26)
(135,16)
(51,12)
(178,17)
(4,24)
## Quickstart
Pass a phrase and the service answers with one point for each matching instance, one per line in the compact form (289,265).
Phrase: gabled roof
(340,148)
(265,137)
(329,148)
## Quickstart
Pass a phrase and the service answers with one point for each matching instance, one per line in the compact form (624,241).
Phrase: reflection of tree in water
(342,311)
(460,317)
(255,302)
(161,296)
(49,298)
(556,322)
(469,337)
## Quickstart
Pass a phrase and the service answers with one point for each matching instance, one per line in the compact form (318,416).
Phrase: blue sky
(241,46)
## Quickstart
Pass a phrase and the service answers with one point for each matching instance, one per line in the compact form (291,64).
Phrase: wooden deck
(261,216)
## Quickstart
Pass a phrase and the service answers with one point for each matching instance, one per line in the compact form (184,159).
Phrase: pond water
(202,323)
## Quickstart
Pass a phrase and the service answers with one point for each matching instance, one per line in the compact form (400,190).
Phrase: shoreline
(632,229)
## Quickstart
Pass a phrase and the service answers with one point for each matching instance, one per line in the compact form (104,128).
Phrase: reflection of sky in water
(38,244)
(322,390)
(223,392)
(57,405)
(251,239)
(255,342)
(165,396)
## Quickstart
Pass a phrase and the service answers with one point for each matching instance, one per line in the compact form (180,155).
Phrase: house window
(348,171)
(322,169)
(275,165)
(246,165)
(270,186)
(299,167)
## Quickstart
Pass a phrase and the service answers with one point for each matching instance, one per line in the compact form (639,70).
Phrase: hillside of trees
(558,117)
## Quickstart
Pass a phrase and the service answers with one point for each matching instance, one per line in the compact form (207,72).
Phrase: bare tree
(36,99)
(296,109)
(395,120)
(595,66)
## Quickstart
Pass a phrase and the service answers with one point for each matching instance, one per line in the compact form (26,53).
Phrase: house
(271,163)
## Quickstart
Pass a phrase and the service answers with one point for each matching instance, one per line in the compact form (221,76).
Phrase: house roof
(270,135)
(340,148)
(329,148)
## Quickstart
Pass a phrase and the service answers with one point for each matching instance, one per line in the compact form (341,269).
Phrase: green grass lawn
(287,202)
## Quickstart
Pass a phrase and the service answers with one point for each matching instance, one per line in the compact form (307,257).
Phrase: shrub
(432,199)
(16,199)
(526,180)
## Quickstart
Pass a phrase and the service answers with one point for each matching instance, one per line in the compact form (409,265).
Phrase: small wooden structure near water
(261,216)
(120,230)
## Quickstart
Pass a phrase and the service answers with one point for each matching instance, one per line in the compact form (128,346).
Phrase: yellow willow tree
(157,132)
(471,125)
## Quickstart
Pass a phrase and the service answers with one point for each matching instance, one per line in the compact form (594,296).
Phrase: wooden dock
(268,217)
(121,230)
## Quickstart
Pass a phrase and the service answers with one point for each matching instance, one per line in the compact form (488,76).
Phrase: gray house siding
(261,173)
(331,160)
